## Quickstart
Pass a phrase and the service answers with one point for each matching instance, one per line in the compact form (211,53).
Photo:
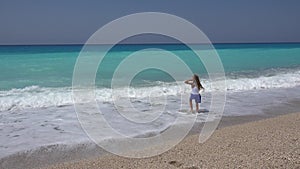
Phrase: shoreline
(266,143)
(49,156)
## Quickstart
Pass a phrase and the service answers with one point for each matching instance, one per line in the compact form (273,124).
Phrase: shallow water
(31,128)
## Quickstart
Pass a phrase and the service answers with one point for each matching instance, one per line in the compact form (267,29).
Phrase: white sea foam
(281,80)
(30,129)
(41,97)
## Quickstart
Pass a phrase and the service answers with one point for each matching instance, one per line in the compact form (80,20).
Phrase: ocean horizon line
(81,44)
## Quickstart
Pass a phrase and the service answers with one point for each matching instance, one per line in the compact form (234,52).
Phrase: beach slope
(268,143)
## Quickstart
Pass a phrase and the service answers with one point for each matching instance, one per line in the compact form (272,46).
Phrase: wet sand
(267,143)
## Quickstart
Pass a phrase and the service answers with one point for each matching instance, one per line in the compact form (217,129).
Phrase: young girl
(196,87)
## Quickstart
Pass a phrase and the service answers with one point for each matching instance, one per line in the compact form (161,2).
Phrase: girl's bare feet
(192,111)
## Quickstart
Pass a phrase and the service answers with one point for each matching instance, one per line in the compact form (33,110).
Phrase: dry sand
(268,143)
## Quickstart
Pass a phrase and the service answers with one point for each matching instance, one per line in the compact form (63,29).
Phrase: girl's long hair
(199,85)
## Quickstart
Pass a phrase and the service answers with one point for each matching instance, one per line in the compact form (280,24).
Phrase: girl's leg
(191,105)
(197,106)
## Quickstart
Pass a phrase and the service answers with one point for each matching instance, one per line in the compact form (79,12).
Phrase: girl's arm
(190,81)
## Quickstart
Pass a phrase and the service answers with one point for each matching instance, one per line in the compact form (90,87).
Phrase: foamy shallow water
(31,128)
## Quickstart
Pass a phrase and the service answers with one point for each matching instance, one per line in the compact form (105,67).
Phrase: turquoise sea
(36,105)
(52,66)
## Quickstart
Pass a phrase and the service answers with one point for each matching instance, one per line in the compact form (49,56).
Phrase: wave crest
(40,97)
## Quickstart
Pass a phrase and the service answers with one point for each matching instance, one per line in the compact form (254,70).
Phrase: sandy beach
(268,143)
